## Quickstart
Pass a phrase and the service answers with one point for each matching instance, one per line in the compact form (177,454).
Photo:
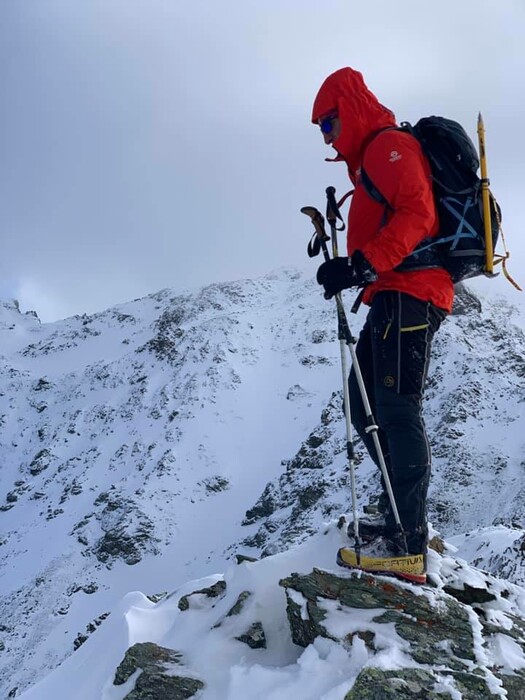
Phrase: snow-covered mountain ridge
(136,431)
(474,409)
(134,441)
(278,628)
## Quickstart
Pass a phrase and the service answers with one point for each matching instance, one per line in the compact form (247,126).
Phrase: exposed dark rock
(263,508)
(239,604)
(90,628)
(217,590)
(115,545)
(258,540)
(236,609)
(240,558)
(470,594)
(377,684)
(514,685)
(40,462)
(254,637)
(164,345)
(312,360)
(414,684)
(320,336)
(128,532)
(156,682)
(465,301)
(309,496)
(42,385)
(215,484)
(416,620)
(157,597)
(315,440)
(437,544)
(437,627)
(88,588)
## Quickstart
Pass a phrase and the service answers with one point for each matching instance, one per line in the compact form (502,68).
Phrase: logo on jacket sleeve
(395,155)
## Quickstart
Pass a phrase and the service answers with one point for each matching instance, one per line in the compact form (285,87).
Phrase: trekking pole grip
(318,222)
(318,242)
(332,209)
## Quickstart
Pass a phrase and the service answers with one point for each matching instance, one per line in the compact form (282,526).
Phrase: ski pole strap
(358,301)
(318,240)
(314,246)
(332,210)
(344,198)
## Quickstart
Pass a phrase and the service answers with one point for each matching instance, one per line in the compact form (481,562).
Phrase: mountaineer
(407,307)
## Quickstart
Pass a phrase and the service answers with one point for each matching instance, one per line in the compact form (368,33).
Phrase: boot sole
(407,568)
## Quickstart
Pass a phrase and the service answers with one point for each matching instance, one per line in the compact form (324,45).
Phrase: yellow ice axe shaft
(485,195)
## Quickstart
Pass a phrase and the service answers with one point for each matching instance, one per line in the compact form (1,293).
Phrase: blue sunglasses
(327,124)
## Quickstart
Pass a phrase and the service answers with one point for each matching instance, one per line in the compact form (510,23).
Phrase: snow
(107,430)
(233,670)
(254,365)
(507,653)
(230,669)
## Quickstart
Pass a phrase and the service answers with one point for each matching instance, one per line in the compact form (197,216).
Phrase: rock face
(462,635)
(445,632)
(159,678)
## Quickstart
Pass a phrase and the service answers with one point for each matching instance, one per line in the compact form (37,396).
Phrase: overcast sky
(162,143)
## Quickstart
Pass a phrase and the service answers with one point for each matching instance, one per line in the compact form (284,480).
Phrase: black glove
(342,273)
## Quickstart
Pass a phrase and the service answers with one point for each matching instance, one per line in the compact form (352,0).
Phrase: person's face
(330,127)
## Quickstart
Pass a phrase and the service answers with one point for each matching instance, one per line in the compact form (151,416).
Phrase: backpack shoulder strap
(365,178)
(372,190)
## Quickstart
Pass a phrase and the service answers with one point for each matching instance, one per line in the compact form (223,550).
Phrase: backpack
(459,246)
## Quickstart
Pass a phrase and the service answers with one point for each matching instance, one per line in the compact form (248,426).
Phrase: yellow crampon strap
(502,259)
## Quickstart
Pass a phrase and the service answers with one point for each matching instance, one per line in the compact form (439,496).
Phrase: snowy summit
(146,446)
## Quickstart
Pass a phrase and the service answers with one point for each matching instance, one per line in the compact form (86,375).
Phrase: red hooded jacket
(396,165)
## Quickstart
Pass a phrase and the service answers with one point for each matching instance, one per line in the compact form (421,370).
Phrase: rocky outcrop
(465,301)
(444,633)
(215,591)
(161,674)
(462,635)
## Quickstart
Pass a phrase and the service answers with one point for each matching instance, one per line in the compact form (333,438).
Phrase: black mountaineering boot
(371,526)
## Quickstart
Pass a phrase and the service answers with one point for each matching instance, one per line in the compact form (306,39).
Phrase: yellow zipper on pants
(407,329)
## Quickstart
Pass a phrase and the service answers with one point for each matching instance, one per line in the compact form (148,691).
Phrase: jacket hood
(360,113)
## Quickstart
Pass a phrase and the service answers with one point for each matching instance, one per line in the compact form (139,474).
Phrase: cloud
(33,297)
(159,143)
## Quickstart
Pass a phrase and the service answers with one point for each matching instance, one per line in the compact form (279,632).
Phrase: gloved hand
(342,273)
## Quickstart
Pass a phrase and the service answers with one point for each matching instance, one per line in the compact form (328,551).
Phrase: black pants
(393,352)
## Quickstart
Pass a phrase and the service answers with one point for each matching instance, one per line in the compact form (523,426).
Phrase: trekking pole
(332,214)
(485,197)
(343,334)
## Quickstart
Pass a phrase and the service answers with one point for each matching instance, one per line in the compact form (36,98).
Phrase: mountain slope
(293,625)
(473,409)
(134,432)
(134,441)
